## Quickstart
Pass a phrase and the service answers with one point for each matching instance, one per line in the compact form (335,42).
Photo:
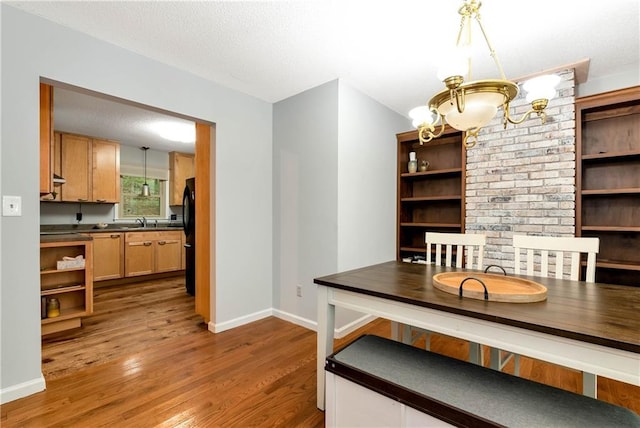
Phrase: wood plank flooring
(144,360)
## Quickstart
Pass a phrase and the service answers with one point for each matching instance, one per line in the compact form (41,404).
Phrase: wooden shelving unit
(72,287)
(431,200)
(608,181)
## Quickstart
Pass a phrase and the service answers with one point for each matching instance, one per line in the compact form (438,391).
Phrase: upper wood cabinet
(181,167)
(46,138)
(105,171)
(90,166)
(75,168)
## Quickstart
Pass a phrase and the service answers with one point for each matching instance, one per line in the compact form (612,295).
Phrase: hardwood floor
(144,360)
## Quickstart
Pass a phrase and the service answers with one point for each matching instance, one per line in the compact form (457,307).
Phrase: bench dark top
(602,314)
(465,394)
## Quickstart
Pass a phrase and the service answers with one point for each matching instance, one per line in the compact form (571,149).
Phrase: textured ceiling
(387,49)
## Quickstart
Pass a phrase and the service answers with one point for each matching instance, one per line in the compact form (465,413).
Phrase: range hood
(58,180)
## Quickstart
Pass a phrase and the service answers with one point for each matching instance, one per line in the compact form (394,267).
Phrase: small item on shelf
(43,307)
(70,262)
(424,165)
(413,162)
(53,308)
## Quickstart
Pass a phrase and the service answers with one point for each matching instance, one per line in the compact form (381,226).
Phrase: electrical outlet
(299,290)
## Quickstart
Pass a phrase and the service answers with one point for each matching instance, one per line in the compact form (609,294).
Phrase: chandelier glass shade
(469,105)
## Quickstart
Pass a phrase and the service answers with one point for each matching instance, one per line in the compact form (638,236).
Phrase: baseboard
(339,333)
(295,319)
(237,322)
(22,389)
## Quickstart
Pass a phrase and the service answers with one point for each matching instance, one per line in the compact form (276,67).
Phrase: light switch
(11,206)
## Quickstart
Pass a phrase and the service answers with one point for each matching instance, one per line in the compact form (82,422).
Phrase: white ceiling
(388,49)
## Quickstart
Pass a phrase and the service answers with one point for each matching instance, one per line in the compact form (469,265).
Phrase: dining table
(590,327)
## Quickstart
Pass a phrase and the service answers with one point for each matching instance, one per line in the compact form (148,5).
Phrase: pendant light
(145,186)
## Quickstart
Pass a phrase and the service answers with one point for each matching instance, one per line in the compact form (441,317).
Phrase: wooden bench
(379,382)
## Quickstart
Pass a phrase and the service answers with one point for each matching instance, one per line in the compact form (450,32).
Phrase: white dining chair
(557,250)
(470,248)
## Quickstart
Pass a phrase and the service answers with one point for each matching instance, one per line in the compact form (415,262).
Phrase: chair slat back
(558,246)
(473,243)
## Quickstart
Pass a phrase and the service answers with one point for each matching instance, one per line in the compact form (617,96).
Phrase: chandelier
(469,105)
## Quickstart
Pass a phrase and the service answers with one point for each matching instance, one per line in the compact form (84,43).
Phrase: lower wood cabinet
(108,255)
(66,286)
(152,252)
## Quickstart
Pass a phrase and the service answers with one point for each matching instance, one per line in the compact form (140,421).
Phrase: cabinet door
(139,257)
(181,167)
(108,256)
(75,162)
(169,252)
(46,137)
(105,171)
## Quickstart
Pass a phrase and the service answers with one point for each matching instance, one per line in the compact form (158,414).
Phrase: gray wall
(334,192)
(33,48)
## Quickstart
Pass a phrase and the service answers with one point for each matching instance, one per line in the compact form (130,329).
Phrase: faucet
(142,221)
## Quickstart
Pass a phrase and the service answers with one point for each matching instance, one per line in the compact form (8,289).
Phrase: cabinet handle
(101,200)
(115,236)
(83,200)
(147,243)
(162,242)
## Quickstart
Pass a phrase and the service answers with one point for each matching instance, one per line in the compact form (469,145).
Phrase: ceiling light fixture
(145,186)
(176,131)
(469,105)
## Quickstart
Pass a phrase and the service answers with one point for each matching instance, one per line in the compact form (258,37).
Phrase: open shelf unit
(608,181)
(431,200)
(72,287)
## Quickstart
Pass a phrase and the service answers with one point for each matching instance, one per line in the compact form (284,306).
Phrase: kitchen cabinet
(108,255)
(181,167)
(168,252)
(608,181)
(105,173)
(91,168)
(152,252)
(46,138)
(72,287)
(430,200)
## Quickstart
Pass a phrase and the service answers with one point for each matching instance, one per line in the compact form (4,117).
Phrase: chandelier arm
(470,133)
(493,53)
(507,117)
(425,132)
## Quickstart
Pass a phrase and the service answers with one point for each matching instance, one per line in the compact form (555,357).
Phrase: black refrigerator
(189,223)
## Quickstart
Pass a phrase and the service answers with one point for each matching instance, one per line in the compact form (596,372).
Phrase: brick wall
(522,180)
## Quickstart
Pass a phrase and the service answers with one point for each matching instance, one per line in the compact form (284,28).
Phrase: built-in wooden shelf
(436,225)
(613,264)
(58,290)
(609,156)
(69,313)
(432,198)
(422,174)
(605,192)
(612,228)
(608,181)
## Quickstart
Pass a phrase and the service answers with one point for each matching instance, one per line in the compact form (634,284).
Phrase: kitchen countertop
(64,237)
(66,229)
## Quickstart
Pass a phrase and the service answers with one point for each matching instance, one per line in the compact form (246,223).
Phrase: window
(133,205)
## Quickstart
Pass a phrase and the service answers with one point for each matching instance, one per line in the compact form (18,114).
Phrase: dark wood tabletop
(602,314)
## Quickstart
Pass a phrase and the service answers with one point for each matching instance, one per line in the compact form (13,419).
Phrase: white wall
(334,192)
(34,48)
(305,190)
